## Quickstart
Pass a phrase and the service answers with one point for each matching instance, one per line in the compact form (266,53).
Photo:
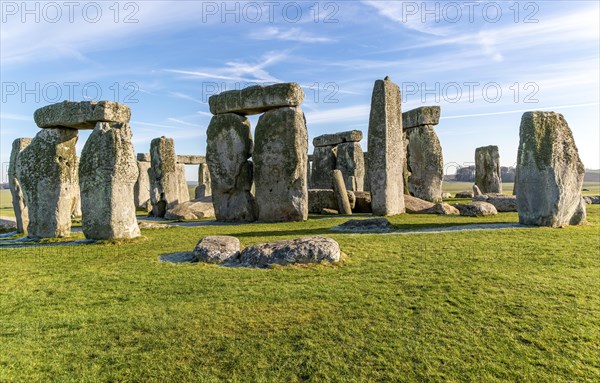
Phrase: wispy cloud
(239,70)
(292,34)
(533,108)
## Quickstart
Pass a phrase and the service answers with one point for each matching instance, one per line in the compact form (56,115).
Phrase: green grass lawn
(481,306)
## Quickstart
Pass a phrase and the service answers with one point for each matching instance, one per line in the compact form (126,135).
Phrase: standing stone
(47,172)
(184,192)
(18,197)
(280,159)
(386,149)
(340,193)
(351,162)
(487,169)
(550,172)
(229,146)
(324,162)
(164,183)
(141,189)
(425,163)
(108,171)
(204,186)
(76,207)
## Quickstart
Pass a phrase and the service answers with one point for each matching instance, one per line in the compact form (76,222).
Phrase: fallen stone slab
(424,115)
(476,209)
(337,138)
(502,203)
(372,225)
(592,200)
(416,205)
(363,202)
(442,209)
(465,194)
(326,211)
(217,249)
(256,99)
(307,250)
(319,199)
(81,115)
(191,210)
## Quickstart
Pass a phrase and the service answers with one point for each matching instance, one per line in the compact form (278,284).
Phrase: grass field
(481,306)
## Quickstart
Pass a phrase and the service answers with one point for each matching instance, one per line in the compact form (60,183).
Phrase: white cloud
(292,34)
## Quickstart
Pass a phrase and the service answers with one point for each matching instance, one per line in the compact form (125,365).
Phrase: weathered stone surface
(326,211)
(446,195)
(184,191)
(425,163)
(189,159)
(164,182)
(47,171)
(372,225)
(416,205)
(351,162)
(305,250)
(442,209)
(18,196)
(465,194)
(107,174)
(81,115)
(476,209)
(476,191)
(363,202)
(324,162)
(386,149)
(229,146)
(141,189)
(341,194)
(76,206)
(502,203)
(204,188)
(550,172)
(256,99)
(319,199)
(217,249)
(424,115)
(337,138)
(191,210)
(592,200)
(487,169)
(280,160)
(144,157)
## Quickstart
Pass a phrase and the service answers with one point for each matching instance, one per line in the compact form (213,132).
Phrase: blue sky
(483,62)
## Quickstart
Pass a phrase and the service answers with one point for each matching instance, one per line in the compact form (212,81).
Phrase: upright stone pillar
(204,188)
(184,191)
(324,162)
(108,172)
(424,164)
(549,171)
(487,169)
(164,183)
(386,149)
(351,162)
(18,196)
(141,189)
(280,159)
(47,172)
(229,146)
